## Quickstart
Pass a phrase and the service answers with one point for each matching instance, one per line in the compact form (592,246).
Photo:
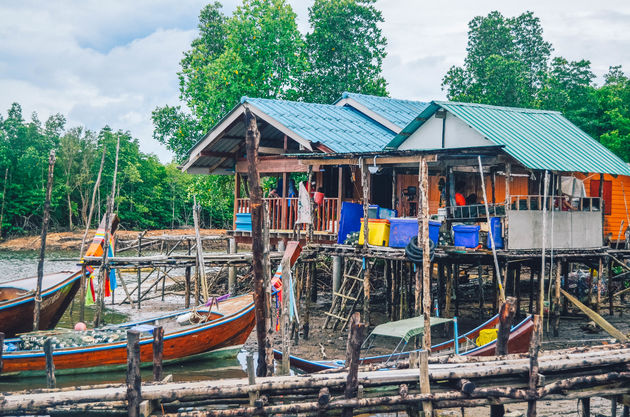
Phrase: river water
(22,264)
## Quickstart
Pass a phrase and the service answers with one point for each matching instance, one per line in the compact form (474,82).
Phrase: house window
(607,194)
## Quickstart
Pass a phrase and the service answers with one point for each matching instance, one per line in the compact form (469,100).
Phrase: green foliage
(506,61)
(345,50)
(149,195)
(259,52)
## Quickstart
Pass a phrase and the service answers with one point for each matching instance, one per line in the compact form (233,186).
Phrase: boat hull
(231,330)
(518,342)
(16,315)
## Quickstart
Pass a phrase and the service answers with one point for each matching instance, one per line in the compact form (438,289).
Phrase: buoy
(80,326)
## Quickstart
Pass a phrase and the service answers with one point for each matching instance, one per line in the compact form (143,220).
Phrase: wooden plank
(273,165)
(599,320)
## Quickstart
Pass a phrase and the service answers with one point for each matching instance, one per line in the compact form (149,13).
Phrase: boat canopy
(407,328)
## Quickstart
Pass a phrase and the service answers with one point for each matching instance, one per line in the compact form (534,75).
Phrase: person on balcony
(276,192)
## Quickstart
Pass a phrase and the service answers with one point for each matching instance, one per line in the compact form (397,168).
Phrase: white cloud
(113,62)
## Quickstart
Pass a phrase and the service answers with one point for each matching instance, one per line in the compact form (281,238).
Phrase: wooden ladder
(350,293)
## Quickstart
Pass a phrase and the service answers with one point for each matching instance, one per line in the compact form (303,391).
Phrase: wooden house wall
(619,199)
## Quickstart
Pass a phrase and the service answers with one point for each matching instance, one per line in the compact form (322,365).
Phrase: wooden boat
(229,325)
(17,300)
(17,297)
(518,342)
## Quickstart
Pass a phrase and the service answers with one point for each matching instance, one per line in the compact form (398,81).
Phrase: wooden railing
(475,211)
(283,213)
(562,203)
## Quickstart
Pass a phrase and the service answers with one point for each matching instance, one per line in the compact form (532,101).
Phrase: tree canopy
(509,63)
(258,51)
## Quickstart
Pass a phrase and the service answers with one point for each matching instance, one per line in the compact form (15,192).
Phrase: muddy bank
(72,240)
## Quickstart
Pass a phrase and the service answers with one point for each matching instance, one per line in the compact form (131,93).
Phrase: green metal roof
(407,328)
(539,139)
(399,112)
(342,129)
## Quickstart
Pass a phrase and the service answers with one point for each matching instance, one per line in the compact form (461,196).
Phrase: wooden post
(425,387)
(251,377)
(158,350)
(201,268)
(1,351)
(231,269)
(610,287)
(426,255)
(586,407)
(506,317)
(556,299)
(138,271)
(534,347)
(237,195)
(187,283)
(134,383)
(448,291)
(42,249)
(365,183)
(252,140)
(51,381)
(309,230)
(355,339)
(266,263)
(4,194)
(307,301)
(598,297)
(286,333)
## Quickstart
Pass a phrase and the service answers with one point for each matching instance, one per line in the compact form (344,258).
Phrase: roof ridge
(246,99)
(493,107)
(348,94)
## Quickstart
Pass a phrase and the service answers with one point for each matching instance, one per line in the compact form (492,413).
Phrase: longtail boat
(404,330)
(226,324)
(17,297)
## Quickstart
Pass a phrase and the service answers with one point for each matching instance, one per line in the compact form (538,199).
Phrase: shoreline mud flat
(71,241)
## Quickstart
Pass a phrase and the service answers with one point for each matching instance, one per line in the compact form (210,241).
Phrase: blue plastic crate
(496,230)
(243,222)
(350,220)
(466,236)
(402,230)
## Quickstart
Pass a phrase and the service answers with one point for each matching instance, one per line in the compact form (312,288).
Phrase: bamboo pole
(599,320)
(201,269)
(500,282)
(104,265)
(541,278)
(42,250)
(252,140)
(286,339)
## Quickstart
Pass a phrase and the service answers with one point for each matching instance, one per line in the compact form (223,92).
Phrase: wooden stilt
(456,282)
(365,184)
(598,288)
(506,317)
(134,383)
(556,300)
(51,381)
(252,138)
(517,289)
(355,338)
(534,347)
(187,280)
(158,349)
(448,291)
(286,338)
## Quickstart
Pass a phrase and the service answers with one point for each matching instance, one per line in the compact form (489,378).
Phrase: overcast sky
(112,62)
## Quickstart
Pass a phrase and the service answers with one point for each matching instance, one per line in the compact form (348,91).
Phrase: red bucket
(318,197)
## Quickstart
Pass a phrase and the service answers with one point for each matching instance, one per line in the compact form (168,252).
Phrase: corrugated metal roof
(399,112)
(341,129)
(539,139)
